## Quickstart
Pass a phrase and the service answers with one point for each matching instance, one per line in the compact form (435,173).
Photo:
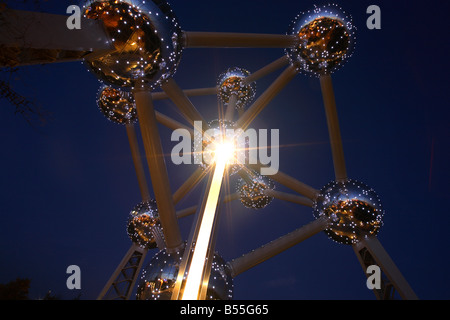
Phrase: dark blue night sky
(67,186)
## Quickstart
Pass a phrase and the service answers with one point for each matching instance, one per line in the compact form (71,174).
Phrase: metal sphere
(116,105)
(159,277)
(326,40)
(252,195)
(354,209)
(219,130)
(143,225)
(146,38)
(230,82)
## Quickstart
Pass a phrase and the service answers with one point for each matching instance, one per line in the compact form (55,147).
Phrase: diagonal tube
(194,280)
(258,106)
(289,197)
(157,167)
(189,184)
(189,93)
(237,40)
(137,160)
(270,250)
(272,67)
(182,102)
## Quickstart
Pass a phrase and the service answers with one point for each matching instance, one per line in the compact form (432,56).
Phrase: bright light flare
(224,152)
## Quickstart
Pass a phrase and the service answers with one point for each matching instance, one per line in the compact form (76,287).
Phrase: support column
(30,38)
(157,167)
(370,252)
(137,160)
(231,108)
(121,283)
(333,128)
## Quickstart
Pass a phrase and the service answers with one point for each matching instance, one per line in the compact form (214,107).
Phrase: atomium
(231,83)
(252,193)
(146,38)
(117,105)
(158,278)
(143,225)
(354,210)
(326,40)
(138,45)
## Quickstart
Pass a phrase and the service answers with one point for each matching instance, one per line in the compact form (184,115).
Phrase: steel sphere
(230,82)
(143,225)
(159,277)
(204,144)
(353,208)
(252,194)
(146,41)
(117,105)
(326,38)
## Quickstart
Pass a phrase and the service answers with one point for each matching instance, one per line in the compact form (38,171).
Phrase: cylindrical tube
(272,67)
(137,160)
(276,247)
(158,169)
(333,128)
(237,40)
(258,106)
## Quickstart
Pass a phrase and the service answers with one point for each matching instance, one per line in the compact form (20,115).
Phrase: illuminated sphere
(252,194)
(159,277)
(143,224)
(204,153)
(326,38)
(230,82)
(354,209)
(116,105)
(146,38)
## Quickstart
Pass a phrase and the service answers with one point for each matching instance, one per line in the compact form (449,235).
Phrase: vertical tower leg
(157,167)
(333,128)
(370,252)
(121,283)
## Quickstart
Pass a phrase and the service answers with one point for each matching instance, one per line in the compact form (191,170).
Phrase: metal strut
(121,283)
(370,252)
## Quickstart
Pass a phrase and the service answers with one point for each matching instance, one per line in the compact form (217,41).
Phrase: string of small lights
(231,82)
(159,277)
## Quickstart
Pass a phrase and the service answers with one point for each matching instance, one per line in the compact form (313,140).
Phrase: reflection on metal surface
(230,82)
(223,152)
(354,209)
(326,40)
(116,105)
(252,194)
(146,38)
(159,277)
(143,226)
